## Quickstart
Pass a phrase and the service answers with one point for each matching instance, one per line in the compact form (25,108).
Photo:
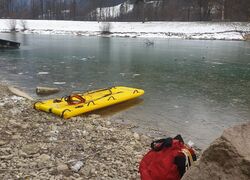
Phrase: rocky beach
(37,145)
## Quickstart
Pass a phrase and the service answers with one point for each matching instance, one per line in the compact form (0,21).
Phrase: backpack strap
(161,143)
(189,158)
(178,137)
(183,161)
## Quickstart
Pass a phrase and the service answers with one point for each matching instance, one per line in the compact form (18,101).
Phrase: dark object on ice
(149,43)
(6,44)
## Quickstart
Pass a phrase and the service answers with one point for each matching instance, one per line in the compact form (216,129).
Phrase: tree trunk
(223,10)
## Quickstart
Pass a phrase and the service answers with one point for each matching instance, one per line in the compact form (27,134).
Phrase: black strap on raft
(57,100)
(62,115)
(99,90)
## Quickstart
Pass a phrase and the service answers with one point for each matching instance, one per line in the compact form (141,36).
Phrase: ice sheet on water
(59,83)
(218,63)
(83,59)
(134,75)
(214,62)
(123,74)
(42,73)
(91,57)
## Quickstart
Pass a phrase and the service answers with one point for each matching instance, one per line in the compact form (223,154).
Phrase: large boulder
(228,157)
(246,37)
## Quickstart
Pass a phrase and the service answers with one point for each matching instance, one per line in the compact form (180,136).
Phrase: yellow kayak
(77,104)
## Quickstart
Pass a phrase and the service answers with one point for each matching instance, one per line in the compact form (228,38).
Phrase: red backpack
(167,160)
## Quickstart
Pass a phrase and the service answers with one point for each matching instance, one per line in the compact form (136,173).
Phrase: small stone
(93,171)
(30,148)
(136,136)
(14,123)
(54,129)
(24,126)
(62,167)
(76,175)
(85,133)
(128,148)
(16,136)
(108,123)
(21,164)
(43,158)
(7,157)
(3,142)
(132,143)
(3,165)
(77,166)
(53,138)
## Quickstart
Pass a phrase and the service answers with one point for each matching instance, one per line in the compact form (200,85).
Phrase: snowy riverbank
(185,30)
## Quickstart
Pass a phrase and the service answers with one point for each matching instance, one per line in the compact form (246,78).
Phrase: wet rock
(228,157)
(246,37)
(46,90)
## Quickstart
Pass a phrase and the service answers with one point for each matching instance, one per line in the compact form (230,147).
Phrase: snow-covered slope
(187,30)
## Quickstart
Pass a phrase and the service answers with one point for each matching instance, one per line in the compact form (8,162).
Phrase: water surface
(192,87)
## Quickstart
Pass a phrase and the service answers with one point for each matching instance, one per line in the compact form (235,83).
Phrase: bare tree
(11,24)
(23,24)
(105,28)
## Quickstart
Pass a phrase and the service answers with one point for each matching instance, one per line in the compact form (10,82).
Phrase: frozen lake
(192,87)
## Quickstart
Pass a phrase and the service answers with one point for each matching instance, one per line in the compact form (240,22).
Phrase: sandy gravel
(37,145)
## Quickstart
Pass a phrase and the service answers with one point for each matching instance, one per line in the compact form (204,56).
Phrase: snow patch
(43,73)
(185,30)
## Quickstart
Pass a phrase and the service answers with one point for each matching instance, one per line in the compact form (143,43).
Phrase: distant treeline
(143,10)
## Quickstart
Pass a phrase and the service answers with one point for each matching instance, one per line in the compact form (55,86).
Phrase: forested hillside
(127,10)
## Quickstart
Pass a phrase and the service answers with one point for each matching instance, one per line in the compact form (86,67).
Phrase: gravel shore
(37,145)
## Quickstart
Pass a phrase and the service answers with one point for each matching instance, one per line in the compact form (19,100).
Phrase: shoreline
(35,144)
(165,30)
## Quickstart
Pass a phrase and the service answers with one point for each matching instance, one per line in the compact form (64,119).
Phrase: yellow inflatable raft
(77,104)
